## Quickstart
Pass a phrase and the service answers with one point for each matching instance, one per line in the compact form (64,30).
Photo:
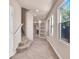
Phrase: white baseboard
(54,49)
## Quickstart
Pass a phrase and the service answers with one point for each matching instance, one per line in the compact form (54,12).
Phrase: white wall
(11,31)
(16,23)
(62,49)
(29,25)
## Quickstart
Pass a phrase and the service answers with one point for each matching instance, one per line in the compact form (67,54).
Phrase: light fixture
(39,21)
(37,10)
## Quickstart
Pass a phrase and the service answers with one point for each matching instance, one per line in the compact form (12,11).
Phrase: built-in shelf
(42,30)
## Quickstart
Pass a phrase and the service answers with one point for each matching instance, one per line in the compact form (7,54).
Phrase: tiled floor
(40,49)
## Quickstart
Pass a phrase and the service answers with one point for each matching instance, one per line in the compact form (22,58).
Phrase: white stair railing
(19,27)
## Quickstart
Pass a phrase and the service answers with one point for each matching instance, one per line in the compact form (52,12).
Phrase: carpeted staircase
(23,45)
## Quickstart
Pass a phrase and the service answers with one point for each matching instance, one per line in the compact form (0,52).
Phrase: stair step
(23,45)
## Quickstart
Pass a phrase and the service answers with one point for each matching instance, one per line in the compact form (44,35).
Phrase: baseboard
(54,49)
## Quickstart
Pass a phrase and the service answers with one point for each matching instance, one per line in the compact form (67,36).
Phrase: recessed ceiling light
(37,10)
(39,21)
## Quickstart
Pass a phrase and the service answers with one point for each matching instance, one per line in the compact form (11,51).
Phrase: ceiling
(43,6)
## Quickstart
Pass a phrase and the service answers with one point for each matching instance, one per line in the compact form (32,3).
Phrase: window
(64,24)
(50,26)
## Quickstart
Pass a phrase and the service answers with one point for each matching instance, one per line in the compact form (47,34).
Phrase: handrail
(18,28)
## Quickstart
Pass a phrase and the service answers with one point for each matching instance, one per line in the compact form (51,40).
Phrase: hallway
(47,19)
(40,49)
